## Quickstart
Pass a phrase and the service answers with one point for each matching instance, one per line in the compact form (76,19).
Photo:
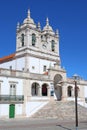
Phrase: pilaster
(27,63)
(27,37)
(40,91)
(64,92)
(48,88)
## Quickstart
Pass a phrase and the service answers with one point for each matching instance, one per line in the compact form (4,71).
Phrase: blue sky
(68,16)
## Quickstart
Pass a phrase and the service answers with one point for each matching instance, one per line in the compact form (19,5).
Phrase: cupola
(48,28)
(29,20)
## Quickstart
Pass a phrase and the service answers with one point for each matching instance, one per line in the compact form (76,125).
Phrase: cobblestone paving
(40,124)
(61,110)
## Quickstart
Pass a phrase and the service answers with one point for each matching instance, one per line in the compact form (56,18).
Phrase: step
(61,110)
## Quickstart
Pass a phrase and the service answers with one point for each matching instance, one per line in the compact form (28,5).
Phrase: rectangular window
(44,68)
(27,70)
(22,69)
(33,67)
(10,67)
(12,89)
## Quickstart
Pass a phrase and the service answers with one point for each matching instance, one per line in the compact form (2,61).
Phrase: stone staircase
(61,110)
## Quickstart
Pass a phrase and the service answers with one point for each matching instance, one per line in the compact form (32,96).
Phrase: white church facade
(33,75)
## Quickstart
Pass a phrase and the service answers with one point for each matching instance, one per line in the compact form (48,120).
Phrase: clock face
(44,45)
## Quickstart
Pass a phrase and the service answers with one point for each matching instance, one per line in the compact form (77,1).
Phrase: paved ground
(46,124)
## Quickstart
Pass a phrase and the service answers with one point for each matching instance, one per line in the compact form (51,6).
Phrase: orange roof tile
(6,58)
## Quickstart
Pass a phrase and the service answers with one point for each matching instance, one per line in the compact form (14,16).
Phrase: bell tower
(35,42)
(29,35)
(25,32)
(50,39)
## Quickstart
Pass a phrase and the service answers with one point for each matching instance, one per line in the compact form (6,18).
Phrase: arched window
(41,37)
(22,39)
(33,39)
(44,90)
(53,45)
(69,91)
(35,89)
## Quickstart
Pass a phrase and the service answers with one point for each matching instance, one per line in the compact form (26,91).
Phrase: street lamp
(76,78)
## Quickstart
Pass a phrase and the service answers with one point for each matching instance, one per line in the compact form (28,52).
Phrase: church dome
(29,20)
(48,28)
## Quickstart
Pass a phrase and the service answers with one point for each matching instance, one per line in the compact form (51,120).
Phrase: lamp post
(76,78)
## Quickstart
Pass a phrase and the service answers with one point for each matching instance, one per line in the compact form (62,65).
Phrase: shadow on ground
(64,127)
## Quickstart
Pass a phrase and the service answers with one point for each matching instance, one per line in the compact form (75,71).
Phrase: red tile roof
(7,58)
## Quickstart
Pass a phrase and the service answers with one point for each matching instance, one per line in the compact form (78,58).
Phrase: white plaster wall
(18,109)
(17,64)
(19,87)
(38,64)
(4,86)
(85,91)
(20,63)
(33,106)
(4,110)
(8,64)
(34,62)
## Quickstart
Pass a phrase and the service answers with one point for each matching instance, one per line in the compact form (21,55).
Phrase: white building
(33,75)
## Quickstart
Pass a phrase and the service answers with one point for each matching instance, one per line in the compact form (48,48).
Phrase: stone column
(27,37)
(48,90)
(24,107)
(25,98)
(64,92)
(40,91)
(81,92)
(73,92)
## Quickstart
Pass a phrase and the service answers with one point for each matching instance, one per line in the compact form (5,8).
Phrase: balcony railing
(11,98)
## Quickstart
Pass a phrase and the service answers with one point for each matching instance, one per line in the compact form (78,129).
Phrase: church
(33,76)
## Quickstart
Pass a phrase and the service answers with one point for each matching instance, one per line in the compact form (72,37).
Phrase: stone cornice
(13,82)
(57,70)
(32,55)
(23,75)
(24,27)
(80,82)
(40,51)
(38,54)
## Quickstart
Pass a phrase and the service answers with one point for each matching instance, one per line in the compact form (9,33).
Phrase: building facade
(33,75)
